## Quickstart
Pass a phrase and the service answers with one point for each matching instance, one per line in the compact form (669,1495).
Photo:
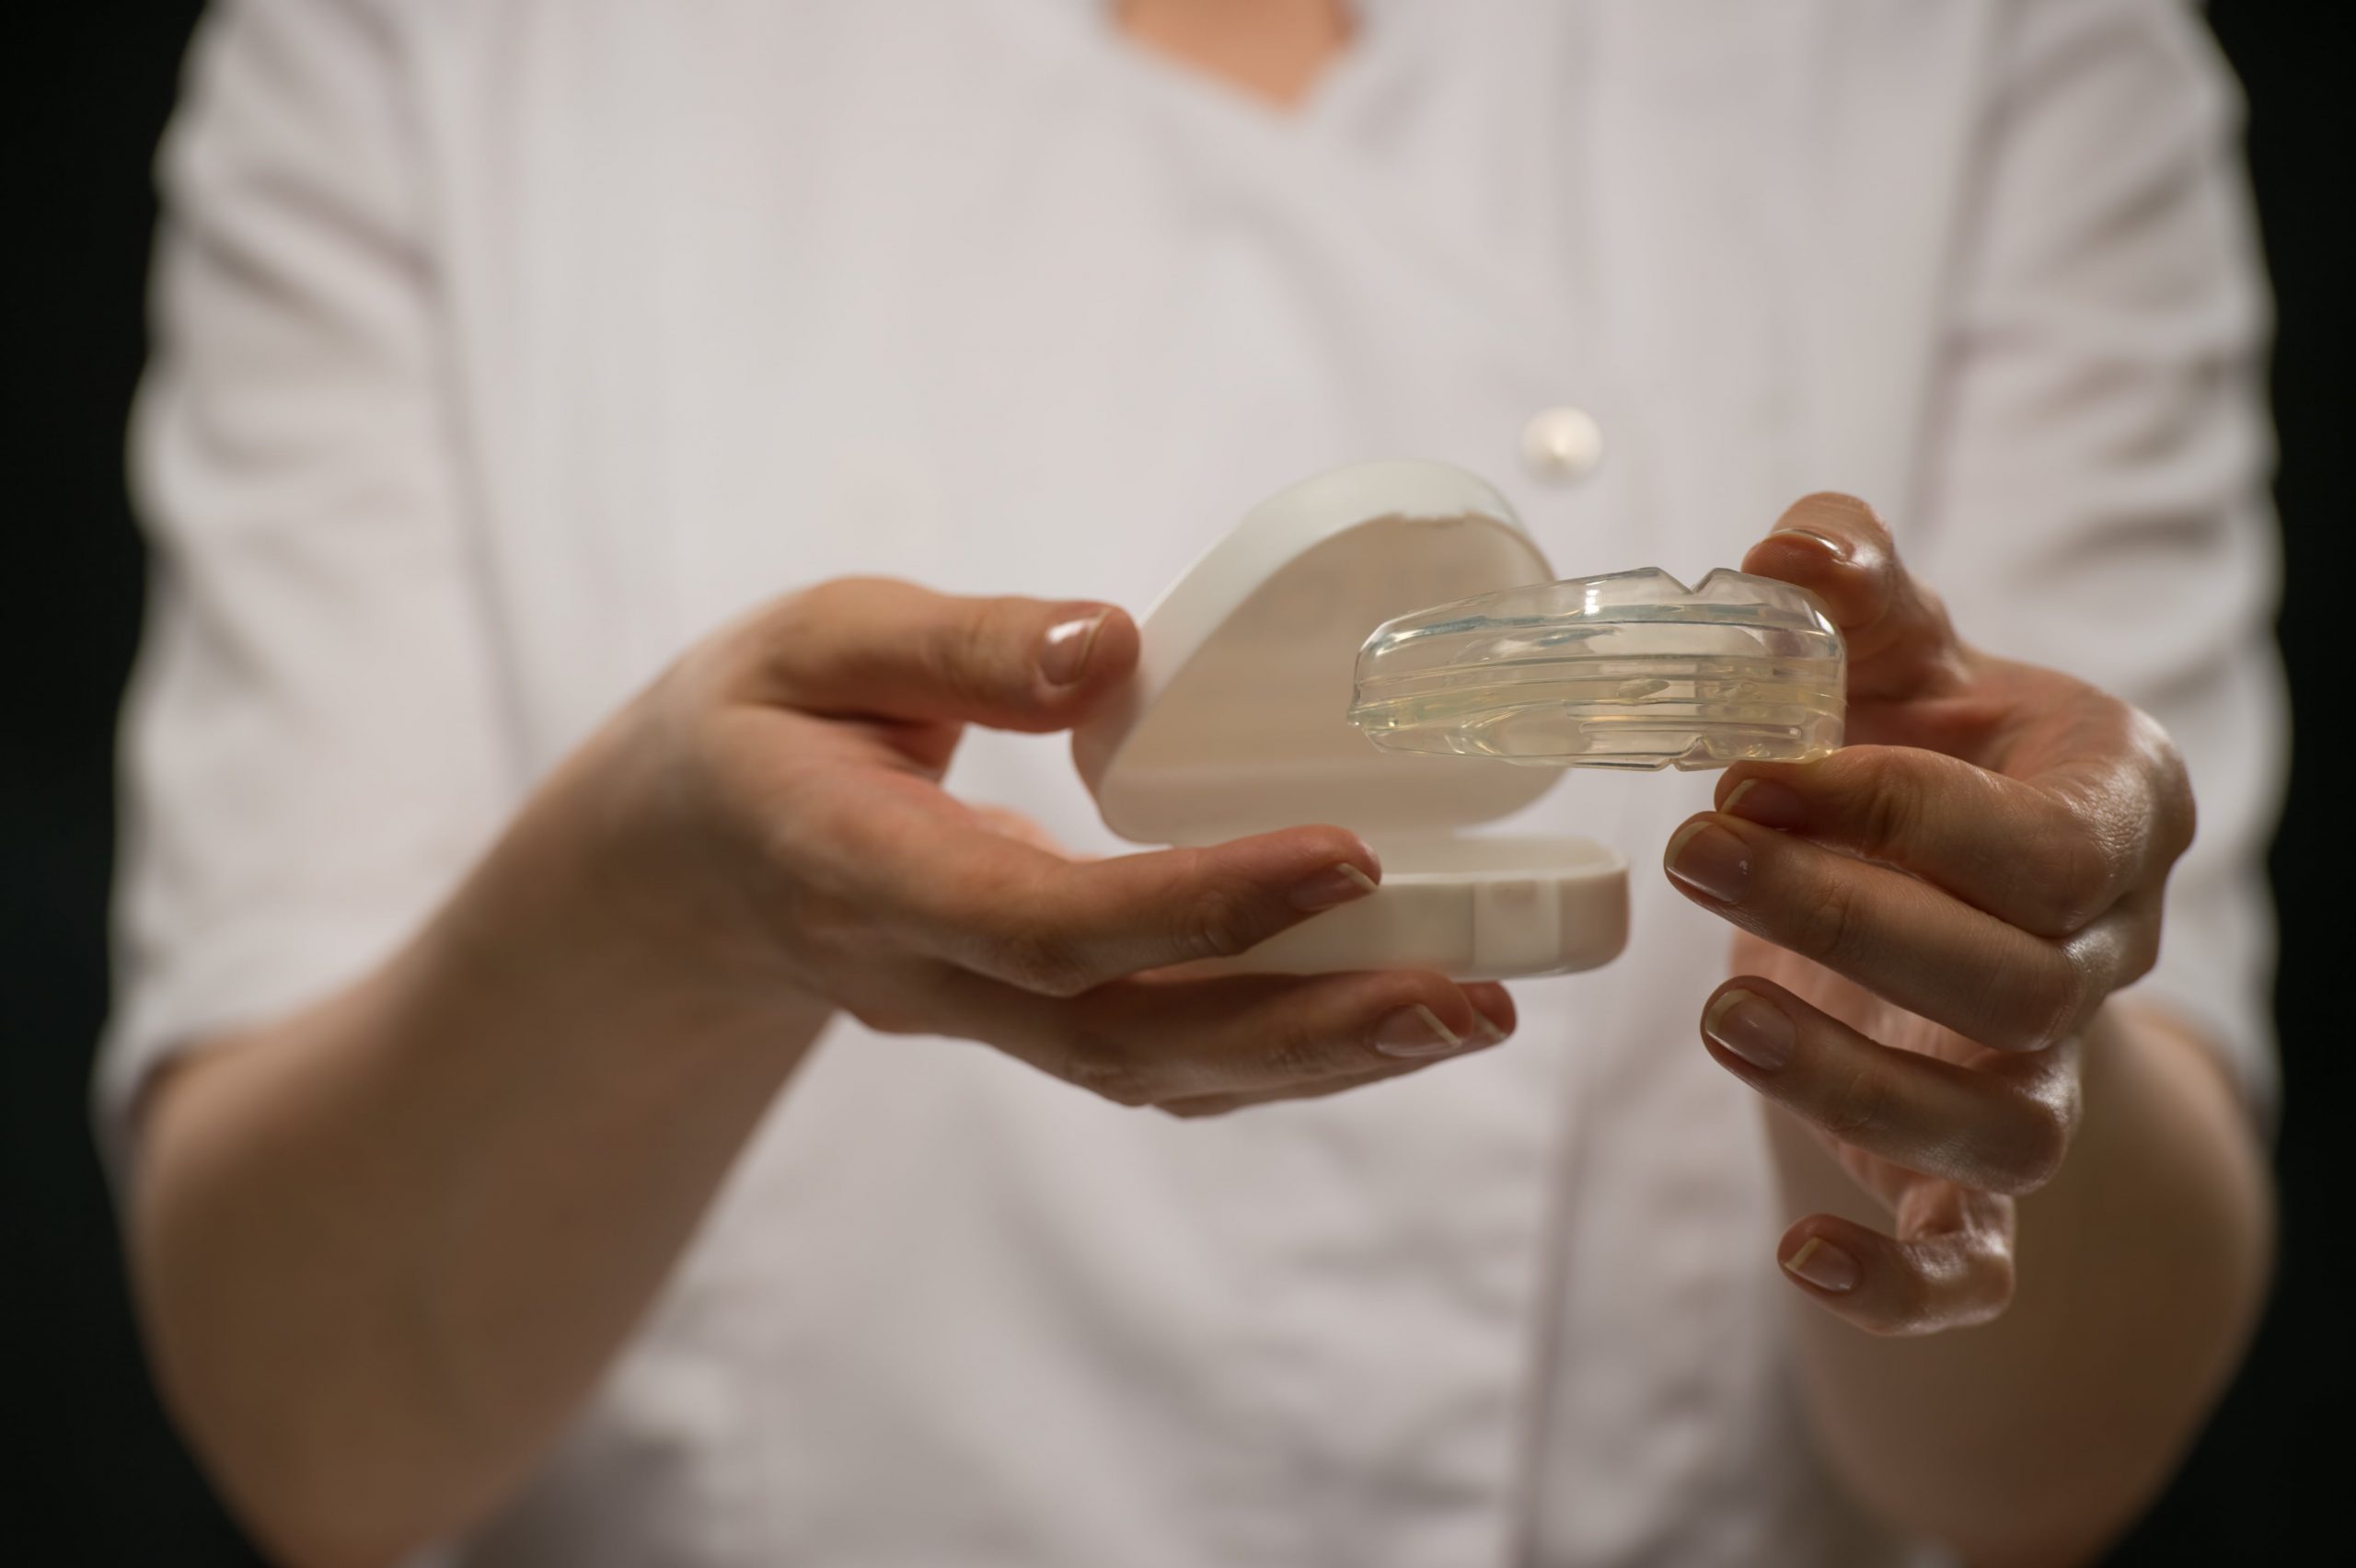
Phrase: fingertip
(1459,1025)
(1791,554)
(1323,845)
(1493,1005)
(1847,523)
(1738,781)
(1290,873)
(1329,886)
(1822,1262)
(1084,648)
(1770,796)
(1838,548)
(1709,856)
(1114,650)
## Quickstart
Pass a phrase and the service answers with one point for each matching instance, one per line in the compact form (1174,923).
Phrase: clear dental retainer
(1241,718)
(1634,670)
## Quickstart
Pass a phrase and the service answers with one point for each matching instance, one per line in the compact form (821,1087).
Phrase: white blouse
(505,347)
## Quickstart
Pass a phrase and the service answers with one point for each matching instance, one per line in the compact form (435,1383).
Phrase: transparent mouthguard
(1634,670)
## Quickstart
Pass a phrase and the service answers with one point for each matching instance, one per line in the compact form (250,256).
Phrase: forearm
(385,1247)
(2141,1269)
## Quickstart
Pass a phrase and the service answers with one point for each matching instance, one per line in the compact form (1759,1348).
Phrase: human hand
(1929,919)
(777,796)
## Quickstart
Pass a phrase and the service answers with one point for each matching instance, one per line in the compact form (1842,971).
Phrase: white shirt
(506,348)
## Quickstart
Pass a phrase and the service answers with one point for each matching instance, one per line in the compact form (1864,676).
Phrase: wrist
(610,901)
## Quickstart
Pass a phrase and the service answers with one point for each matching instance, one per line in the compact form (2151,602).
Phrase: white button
(1562,444)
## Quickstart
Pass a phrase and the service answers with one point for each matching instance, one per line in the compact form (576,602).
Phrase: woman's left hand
(1930,920)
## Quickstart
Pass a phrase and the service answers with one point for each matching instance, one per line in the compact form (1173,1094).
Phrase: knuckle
(1293,1057)
(1852,1105)
(2179,812)
(785,621)
(710,756)
(706,674)
(1217,922)
(2046,1001)
(1933,609)
(2078,888)
(2004,1284)
(2139,954)
(1885,802)
(958,652)
(2039,1143)
(1926,1299)
(1107,1069)
(2089,848)
(1834,929)
(2168,783)
(791,626)
(965,657)
(1046,961)
(1839,509)
(1891,810)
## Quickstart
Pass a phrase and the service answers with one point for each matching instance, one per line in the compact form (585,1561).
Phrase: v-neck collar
(1313,118)
(1330,153)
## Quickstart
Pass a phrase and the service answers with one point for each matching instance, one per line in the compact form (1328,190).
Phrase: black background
(92,1474)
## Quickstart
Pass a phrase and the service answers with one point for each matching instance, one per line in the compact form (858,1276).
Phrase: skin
(378,1273)
(1273,50)
(1932,923)
(377,1269)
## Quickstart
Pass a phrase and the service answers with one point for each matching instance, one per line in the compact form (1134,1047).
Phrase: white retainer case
(1300,672)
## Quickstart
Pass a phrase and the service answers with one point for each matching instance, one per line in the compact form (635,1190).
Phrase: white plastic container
(1237,721)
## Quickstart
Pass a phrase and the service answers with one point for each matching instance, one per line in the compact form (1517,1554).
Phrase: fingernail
(1416,1031)
(1486,1030)
(1706,857)
(1064,655)
(1334,885)
(1768,803)
(1752,1027)
(1823,1265)
(1838,548)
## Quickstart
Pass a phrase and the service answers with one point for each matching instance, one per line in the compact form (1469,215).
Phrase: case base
(1500,908)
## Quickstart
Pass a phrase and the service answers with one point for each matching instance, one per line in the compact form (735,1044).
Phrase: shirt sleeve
(312,747)
(2098,495)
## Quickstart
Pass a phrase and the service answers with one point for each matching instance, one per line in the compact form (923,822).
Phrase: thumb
(1900,643)
(875,648)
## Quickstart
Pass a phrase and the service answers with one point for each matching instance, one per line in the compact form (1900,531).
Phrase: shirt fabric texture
(504,348)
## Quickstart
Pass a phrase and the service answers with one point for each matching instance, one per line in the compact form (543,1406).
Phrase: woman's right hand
(770,811)
(386,1245)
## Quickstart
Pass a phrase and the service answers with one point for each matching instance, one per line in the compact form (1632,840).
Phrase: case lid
(1237,720)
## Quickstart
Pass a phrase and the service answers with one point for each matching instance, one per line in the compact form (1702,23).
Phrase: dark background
(91,1474)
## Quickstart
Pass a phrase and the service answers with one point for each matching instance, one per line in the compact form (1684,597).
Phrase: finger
(1156,1041)
(1950,1268)
(1201,1106)
(2047,856)
(1010,823)
(1062,926)
(932,879)
(1491,1026)
(876,648)
(2003,1129)
(1900,643)
(1906,940)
